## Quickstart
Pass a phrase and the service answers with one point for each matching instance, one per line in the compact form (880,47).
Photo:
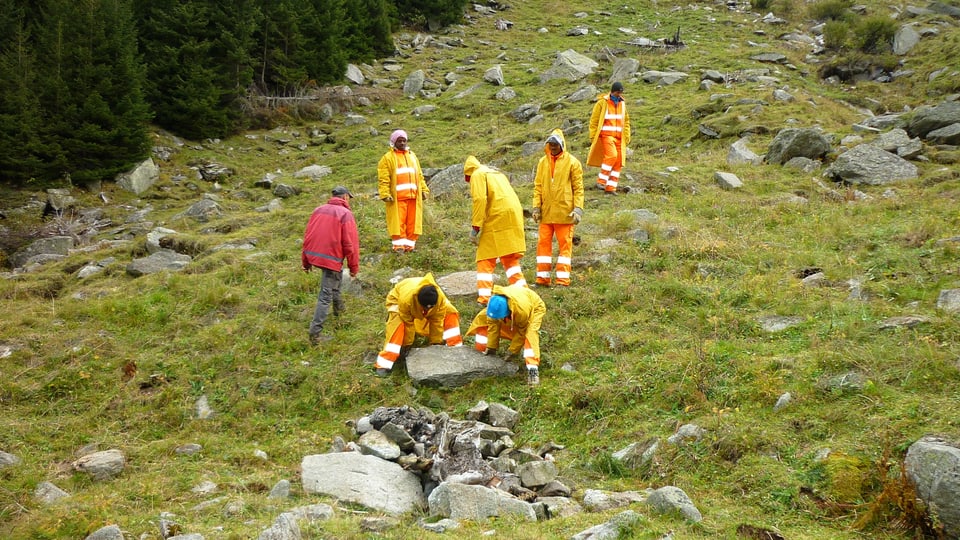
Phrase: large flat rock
(365,480)
(451,367)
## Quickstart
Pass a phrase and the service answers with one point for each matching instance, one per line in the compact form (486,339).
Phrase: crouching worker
(514,312)
(417,306)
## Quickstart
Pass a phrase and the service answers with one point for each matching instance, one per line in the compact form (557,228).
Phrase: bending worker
(557,207)
(515,313)
(417,306)
(609,137)
(403,189)
(497,223)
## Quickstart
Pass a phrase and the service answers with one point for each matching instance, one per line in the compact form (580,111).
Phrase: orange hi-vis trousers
(401,334)
(485,267)
(530,357)
(407,215)
(609,175)
(564,233)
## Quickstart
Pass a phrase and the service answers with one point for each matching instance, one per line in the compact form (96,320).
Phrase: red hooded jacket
(331,237)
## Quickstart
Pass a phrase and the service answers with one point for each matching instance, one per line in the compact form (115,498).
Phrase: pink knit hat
(396,135)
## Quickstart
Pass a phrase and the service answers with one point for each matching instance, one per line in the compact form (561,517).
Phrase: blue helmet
(497,307)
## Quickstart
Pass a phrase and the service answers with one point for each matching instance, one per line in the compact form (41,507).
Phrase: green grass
(657,335)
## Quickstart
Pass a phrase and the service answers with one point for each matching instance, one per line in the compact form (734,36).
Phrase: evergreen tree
(91,89)
(198,62)
(432,12)
(72,103)
(20,145)
(367,29)
(280,41)
(308,41)
(323,54)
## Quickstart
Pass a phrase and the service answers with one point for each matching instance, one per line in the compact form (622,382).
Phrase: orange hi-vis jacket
(527,310)
(400,177)
(496,210)
(608,119)
(558,185)
(406,318)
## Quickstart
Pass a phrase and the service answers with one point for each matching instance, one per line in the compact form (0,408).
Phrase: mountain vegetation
(662,327)
(85,79)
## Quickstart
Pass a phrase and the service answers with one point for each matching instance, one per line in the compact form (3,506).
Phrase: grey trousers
(329,294)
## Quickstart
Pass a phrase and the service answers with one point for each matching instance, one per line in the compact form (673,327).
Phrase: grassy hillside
(658,334)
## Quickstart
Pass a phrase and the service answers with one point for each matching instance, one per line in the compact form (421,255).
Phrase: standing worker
(609,137)
(417,306)
(497,224)
(557,207)
(403,189)
(513,313)
(331,237)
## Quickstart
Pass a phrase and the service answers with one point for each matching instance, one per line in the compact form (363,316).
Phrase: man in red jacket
(331,237)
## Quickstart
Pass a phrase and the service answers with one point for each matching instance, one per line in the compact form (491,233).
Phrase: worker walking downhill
(609,137)
(497,226)
(557,207)
(403,189)
(513,313)
(417,306)
(330,237)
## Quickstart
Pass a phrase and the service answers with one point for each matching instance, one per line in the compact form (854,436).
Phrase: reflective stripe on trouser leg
(611,161)
(529,354)
(398,335)
(614,180)
(604,174)
(511,263)
(480,341)
(451,330)
(403,211)
(408,223)
(485,279)
(531,345)
(544,253)
(565,258)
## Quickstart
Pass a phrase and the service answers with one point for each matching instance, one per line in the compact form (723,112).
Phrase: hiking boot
(318,338)
(533,376)
(382,372)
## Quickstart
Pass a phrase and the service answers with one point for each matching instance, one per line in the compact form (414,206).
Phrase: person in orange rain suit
(497,226)
(557,207)
(403,189)
(515,313)
(417,306)
(609,137)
